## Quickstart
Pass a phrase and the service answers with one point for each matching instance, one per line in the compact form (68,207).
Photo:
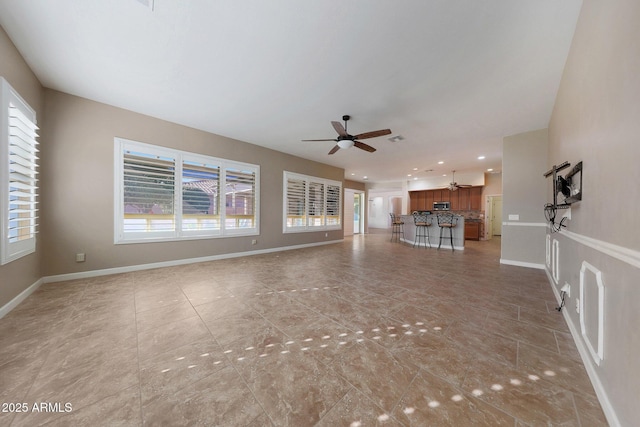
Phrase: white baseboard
(5,309)
(521,264)
(139,267)
(608,410)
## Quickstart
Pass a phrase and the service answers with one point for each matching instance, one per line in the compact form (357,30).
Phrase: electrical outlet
(577,305)
(254,241)
(80,257)
(326,234)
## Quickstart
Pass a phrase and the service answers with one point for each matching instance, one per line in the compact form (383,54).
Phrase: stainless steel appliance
(441,206)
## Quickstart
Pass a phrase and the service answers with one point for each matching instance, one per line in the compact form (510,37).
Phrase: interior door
(496,216)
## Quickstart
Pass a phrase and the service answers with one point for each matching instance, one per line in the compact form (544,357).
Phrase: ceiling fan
(453,185)
(344,140)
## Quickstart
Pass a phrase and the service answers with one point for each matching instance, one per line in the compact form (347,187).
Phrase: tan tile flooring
(364,332)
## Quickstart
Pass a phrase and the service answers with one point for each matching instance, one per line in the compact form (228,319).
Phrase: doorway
(358,213)
(496,215)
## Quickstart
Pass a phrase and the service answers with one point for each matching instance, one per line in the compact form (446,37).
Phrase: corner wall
(596,120)
(524,160)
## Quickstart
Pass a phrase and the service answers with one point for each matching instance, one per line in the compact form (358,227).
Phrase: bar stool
(397,226)
(421,220)
(447,221)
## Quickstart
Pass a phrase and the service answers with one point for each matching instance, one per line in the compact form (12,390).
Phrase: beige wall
(18,275)
(596,120)
(492,184)
(78,195)
(524,160)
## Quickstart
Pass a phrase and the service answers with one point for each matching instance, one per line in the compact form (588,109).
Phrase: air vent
(396,138)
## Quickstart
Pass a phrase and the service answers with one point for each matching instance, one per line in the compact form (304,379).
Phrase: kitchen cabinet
(430,200)
(454,200)
(475,198)
(464,199)
(471,230)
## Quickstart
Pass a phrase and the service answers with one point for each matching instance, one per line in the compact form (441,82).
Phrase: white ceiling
(453,77)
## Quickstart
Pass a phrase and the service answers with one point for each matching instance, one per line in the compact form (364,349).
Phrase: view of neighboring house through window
(167,194)
(311,203)
(18,179)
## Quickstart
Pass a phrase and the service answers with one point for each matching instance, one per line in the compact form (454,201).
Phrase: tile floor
(364,332)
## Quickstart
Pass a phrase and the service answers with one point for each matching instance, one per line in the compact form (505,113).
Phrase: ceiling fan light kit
(453,185)
(345,140)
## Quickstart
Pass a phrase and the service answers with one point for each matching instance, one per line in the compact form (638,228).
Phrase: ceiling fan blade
(334,149)
(464,185)
(319,140)
(339,128)
(373,134)
(364,146)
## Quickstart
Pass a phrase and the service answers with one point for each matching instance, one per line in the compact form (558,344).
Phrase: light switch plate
(513,217)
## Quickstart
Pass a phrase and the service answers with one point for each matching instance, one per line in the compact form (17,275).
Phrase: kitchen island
(434,233)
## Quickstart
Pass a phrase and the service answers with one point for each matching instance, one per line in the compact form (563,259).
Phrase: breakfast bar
(434,232)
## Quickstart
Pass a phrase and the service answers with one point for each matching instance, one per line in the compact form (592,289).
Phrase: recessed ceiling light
(353,174)
(480,157)
(444,174)
(408,174)
(415,169)
(365,177)
(415,178)
(490,170)
(441,162)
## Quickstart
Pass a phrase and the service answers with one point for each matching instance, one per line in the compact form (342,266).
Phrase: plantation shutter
(240,196)
(333,204)
(316,204)
(296,206)
(200,197)
(19,177)
(149,192)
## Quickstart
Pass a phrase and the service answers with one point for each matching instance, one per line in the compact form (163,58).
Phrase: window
(311,204)
(164,194)
(19,175)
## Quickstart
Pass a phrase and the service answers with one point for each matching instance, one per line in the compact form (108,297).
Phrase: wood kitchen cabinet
(475,198)
(454,199)
(464,199)
(471,231)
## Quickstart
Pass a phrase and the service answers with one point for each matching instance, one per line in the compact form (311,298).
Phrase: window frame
(311,182)
(180,232)
(11,251)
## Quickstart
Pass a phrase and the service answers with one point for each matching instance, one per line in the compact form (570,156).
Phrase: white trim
(525,224)
(139,267)
(621,253)
(607,408)
(5,309)
(596,353)
(555,260)
(522,264)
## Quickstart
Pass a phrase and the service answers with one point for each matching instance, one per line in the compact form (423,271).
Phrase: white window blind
(295,209)
(240,197)
(311,203)
(166,194)
(20,176)
(334,204)
(200,197)
(316,204)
